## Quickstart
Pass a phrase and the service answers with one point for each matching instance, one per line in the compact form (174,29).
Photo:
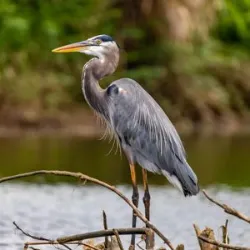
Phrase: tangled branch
(84,177)
(207,235)
(78,238)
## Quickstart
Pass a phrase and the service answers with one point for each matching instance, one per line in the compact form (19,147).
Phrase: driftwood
(206,238)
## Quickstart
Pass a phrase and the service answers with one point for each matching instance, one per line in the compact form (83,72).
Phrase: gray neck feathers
(93,71)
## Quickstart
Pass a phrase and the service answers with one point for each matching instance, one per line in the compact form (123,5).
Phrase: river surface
(56,206)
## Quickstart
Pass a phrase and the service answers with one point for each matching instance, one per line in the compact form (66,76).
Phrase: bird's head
(97,46)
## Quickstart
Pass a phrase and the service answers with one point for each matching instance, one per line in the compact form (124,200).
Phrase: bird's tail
(184,179)
(190,182)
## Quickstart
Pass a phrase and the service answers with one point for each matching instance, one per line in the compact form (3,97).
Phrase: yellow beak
(73,47)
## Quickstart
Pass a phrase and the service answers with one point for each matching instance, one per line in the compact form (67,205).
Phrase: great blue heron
(144,131)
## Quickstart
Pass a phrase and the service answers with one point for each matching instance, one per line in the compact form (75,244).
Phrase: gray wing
(147,135)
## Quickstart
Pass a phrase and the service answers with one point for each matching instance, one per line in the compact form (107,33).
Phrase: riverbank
(81,122)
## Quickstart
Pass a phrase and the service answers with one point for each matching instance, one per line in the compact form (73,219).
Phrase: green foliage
(38,25)
(29,30)
(196,80)
(234,23)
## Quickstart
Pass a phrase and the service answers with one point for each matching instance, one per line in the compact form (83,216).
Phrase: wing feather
(148,133)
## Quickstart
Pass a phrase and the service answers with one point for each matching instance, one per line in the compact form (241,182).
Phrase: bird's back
(147,135)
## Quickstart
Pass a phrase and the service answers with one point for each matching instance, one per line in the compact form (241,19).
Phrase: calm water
(56,206)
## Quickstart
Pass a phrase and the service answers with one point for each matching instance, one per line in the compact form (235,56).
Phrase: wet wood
(150,239)
(105,225)
(207,241)
(101,233)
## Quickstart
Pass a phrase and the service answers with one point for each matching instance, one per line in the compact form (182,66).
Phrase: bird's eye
(98,42)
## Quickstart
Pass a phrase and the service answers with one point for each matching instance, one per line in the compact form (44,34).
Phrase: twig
(197,232)
(228,209)
(105,225)
(225,238)
(37,243)
(29,235)
(54,242)
(118,239)
(101,183)
(35,237)
(138,244)
(90,246)
(33,248)
(216,243)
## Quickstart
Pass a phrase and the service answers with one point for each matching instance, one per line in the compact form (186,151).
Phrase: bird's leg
(146,197)
(135,199)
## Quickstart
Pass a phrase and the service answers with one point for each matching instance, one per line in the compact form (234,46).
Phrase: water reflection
(53,210)
(56,210)
(215,160)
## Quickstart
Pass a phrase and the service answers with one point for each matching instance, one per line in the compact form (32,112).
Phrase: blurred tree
(188,53)
(234,23)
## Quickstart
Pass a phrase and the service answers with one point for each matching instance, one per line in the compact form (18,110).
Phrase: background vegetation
(192,56)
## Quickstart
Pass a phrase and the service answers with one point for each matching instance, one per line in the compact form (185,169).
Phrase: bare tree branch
(101,233)
(101,183)
(105,225)
(228,209)
(216,243)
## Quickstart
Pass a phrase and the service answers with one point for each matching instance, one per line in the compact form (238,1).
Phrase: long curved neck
(93,71)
